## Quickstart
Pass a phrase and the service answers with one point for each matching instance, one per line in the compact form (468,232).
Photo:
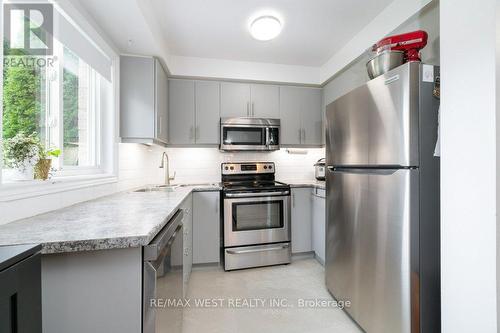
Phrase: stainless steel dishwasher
(162,279)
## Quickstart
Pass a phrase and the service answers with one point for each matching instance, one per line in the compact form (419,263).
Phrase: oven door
(250,219)
(243,138)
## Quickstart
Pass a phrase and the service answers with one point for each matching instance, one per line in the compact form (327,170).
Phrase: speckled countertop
(126,219)
(306,183)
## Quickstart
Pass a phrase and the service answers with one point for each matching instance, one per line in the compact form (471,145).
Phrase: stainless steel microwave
(249,134)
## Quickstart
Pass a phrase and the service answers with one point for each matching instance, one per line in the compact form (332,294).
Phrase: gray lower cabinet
(194,112)
(143,100)
(301,116)
(187,221)
(318,224)
(20,289)
(206,227)
(301,220)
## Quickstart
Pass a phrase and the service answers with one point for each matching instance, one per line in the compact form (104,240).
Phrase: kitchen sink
(158,188)
(199,184)
(171,188)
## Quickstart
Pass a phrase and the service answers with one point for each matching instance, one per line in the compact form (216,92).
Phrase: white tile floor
(303,279)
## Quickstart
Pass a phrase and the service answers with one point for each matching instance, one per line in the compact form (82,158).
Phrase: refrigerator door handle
(373,171)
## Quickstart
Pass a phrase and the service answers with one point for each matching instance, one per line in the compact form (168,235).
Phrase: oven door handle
(282,247)
(259,194)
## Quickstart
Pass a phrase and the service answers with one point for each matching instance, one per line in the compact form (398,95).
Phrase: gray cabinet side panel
(290,102)
(265,101)
(206,227)
(181,109)
(137,97)
(94,291)
(207,112)
(161,101)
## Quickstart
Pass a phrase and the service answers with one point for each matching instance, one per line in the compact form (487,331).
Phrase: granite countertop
(122,220)
(319,184)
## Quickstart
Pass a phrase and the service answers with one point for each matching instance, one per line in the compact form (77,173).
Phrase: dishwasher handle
(153,250)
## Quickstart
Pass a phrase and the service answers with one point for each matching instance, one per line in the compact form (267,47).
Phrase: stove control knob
(270,167)
(226,168)
(232,168)
(265,166)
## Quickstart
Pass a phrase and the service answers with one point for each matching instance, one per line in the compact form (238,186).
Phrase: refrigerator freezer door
(372,220)
(377,123)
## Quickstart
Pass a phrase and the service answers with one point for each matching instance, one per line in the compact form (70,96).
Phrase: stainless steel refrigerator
(382,251)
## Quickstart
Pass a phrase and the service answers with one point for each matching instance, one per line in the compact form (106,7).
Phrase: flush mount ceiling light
(265,27)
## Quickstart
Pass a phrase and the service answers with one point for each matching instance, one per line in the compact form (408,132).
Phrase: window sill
(28,189)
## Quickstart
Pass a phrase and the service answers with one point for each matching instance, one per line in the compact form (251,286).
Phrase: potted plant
(21,153)
(44,165)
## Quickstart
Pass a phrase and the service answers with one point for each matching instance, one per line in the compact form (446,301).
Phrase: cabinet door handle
(293,200)
(300,135)
(197,133)
(304,135)
(191,132)
(253,110)
(248,109)
(217,205)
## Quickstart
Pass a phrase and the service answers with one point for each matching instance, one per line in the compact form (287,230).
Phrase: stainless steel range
(256,216)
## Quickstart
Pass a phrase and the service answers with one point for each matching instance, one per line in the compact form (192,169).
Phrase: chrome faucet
(167,169)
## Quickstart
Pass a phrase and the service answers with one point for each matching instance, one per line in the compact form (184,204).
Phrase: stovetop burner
(255,185)
(250,176)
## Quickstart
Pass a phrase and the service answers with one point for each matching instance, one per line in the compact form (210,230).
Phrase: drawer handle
(259,250)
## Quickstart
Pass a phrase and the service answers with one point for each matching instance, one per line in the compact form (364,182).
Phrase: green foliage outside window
(23,109)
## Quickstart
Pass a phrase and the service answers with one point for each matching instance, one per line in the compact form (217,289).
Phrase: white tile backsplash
(139,165)
(203,164)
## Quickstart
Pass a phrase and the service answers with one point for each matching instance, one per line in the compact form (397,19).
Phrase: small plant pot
(42,169)
(23,175)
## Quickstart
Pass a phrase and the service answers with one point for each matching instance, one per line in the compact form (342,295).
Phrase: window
(59,101)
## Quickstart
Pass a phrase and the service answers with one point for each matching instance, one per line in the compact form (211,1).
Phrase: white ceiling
(313,30)
(210,38)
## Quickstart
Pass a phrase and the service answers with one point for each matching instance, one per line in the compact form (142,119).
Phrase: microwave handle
(267,137)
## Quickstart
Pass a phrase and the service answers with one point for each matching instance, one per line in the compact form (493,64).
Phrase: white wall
(139,165)
(468,166)
(355,73)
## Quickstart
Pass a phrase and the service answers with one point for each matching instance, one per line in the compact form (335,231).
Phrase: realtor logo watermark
(28,29)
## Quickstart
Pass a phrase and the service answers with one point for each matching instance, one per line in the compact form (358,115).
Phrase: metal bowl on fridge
(384,62)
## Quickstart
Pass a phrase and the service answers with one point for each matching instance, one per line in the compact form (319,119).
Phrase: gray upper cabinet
(265,101)
(181,112)
(290,109)
(249,100)
(234,99)
(143,100)
(194,112)
(195,108)
(207,111)
(312,117)
(301,116)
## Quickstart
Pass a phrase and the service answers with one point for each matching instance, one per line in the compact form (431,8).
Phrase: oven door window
(243,136)
(257,215)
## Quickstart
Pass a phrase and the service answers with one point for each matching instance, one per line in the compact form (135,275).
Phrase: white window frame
(94,142)
(84,177)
